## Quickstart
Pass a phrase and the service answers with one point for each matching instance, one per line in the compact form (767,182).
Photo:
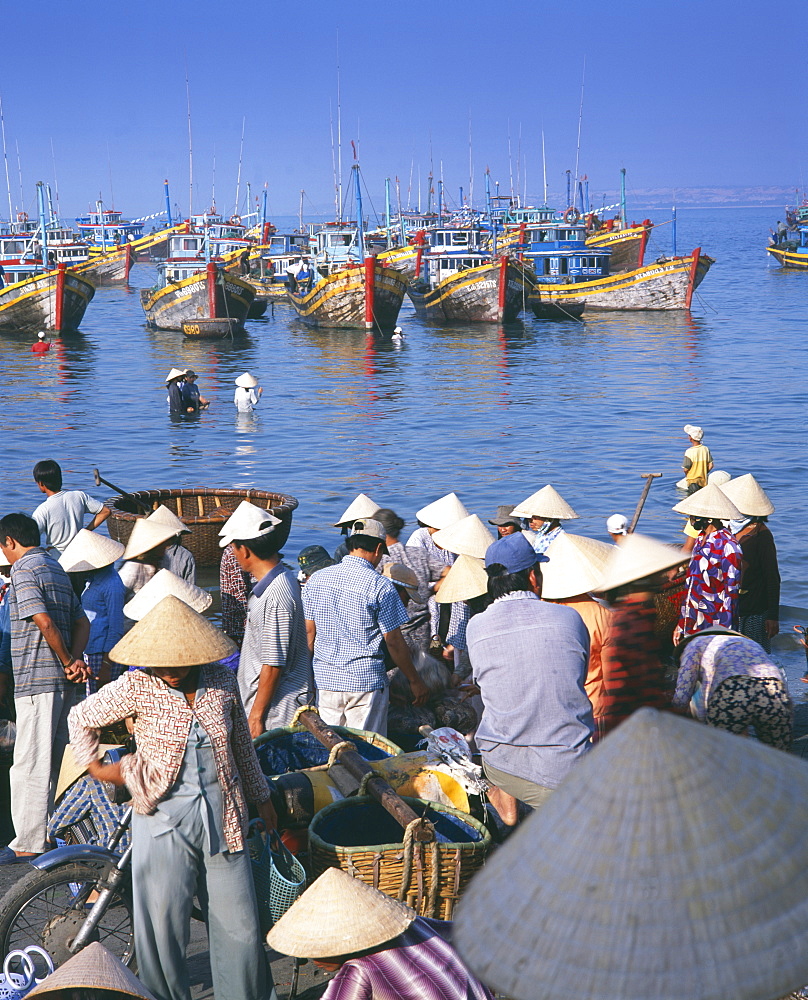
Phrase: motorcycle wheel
(48,907)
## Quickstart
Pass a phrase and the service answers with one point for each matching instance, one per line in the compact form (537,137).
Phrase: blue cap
(514,552)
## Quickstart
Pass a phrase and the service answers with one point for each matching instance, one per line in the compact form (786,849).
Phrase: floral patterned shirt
(713,582)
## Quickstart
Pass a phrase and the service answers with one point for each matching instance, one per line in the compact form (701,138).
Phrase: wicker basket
(429,877)
(668,603)
(197,509)
(294,748)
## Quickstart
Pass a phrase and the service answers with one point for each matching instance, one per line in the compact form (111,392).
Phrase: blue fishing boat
(792,253)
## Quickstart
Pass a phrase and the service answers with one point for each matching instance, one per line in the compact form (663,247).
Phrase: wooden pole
(503,286)
(60,296)
(358,767)
(211,270)
(649,477)
(370,291)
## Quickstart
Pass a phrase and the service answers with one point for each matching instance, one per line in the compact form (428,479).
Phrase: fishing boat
(110,268)
(107,228)
(627,244)
(667,284)
(359,297)
(269,263)
(52,300)
(189,288)
(792,253)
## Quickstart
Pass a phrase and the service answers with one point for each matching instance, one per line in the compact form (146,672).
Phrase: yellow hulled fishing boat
(54,300)
(364,297)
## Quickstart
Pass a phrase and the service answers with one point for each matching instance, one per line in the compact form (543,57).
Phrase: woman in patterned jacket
(190,778)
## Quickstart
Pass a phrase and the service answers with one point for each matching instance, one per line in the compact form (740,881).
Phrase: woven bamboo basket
(430,877)
(668,602)
(294,748)
(197,509)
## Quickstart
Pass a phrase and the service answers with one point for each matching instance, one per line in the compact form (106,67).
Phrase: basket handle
(28,970)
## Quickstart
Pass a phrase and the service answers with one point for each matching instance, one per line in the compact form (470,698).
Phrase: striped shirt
(419,964)
(275,634)
(352,607)
(39,585)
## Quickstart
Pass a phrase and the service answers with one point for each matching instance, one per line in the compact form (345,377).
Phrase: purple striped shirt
(420,964)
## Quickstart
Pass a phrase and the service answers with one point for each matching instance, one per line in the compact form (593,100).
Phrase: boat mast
(5,161)
(623,196)
(168,203)
(55,180)
(264,215)
(471,170)
(510,159)
(387,207)
(580,119)
(238,175)
(360,231)
(99,207)
(40,199)
(300,212)
(19,171)
(339,141)
(190,147)
(51,214)
(544,167)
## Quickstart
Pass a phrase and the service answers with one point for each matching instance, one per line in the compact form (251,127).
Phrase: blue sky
(684,94)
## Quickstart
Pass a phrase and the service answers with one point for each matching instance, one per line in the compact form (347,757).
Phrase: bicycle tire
(47,907)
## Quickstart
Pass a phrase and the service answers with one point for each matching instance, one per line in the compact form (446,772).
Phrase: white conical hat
(359,508)
(718,478)
(709,501)
(338,915)
(162,515)
(669,865)
(468,537)
(637,557)
(748,496)
(145,535)
(172,635)
(174,373)
(89,550)
(247,381)
(247,521)
(547,503)
(165,582)
(574,566)
(92,969)
(466,579)
(441,513)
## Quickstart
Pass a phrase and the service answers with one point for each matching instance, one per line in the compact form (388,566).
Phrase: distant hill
(708,197)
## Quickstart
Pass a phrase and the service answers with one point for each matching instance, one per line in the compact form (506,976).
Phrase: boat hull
(338,300)
(786,258)
(110,268)
(401,259)
(187,300)
(664,285)
(30,305)
(473,295)
(627,247)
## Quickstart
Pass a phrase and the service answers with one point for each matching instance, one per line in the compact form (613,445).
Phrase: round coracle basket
(360,837)
(294,748)
(668,601)
(197,509)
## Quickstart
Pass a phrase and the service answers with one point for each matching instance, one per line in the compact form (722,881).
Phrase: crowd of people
(549,639)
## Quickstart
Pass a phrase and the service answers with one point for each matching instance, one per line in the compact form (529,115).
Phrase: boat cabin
(454,239)
(438,267)
(566,263)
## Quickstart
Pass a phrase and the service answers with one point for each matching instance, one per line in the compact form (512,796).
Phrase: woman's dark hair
(22,528)
(393,524)
(49,473)
(759,520)
(501,582)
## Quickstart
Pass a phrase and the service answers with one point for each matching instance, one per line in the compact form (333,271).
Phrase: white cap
(41,335)
(693,432)
(247,521)
(617,525)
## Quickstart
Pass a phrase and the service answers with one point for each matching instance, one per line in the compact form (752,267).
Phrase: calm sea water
(493,413)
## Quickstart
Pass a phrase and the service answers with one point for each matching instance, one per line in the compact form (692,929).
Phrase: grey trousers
(41,740)
(520,788)
(166,872)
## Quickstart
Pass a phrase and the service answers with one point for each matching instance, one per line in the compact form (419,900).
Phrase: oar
(138,503)
(649,477)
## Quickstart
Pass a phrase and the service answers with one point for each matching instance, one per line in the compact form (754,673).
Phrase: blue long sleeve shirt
(103,602)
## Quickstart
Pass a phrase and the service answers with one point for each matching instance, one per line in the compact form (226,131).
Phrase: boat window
(459,239)
(564,266)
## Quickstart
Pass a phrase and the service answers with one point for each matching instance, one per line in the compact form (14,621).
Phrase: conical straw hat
(670,865)
(174,373)
(748,496)
(172,635)
(162,515)
(637,557)
(466,579)
(709,501)
(574,566)
(71,771)
(338,915)
(441,513)
(359,508)
(547,503)
(247,381)
(165,582)
(145,535)
(93,968)
(88,550)
(468,537)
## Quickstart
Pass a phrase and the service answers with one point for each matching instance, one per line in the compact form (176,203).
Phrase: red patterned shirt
(713,582)
(162,724)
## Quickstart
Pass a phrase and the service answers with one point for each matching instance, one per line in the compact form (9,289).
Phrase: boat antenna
(339,139)
(510,159)
(471,168)
(333,158)
(519,168)
(580,119)
(190,144)
(240,157)
(409,189)
(19,171)
(300,215)
(55,180)
(109,171)
(544,165)
(5,161)
(213,180)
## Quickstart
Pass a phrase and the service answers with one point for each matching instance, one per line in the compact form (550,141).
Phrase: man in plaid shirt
(351,610)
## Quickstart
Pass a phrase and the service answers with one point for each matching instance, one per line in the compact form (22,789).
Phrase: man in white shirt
(61,516)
